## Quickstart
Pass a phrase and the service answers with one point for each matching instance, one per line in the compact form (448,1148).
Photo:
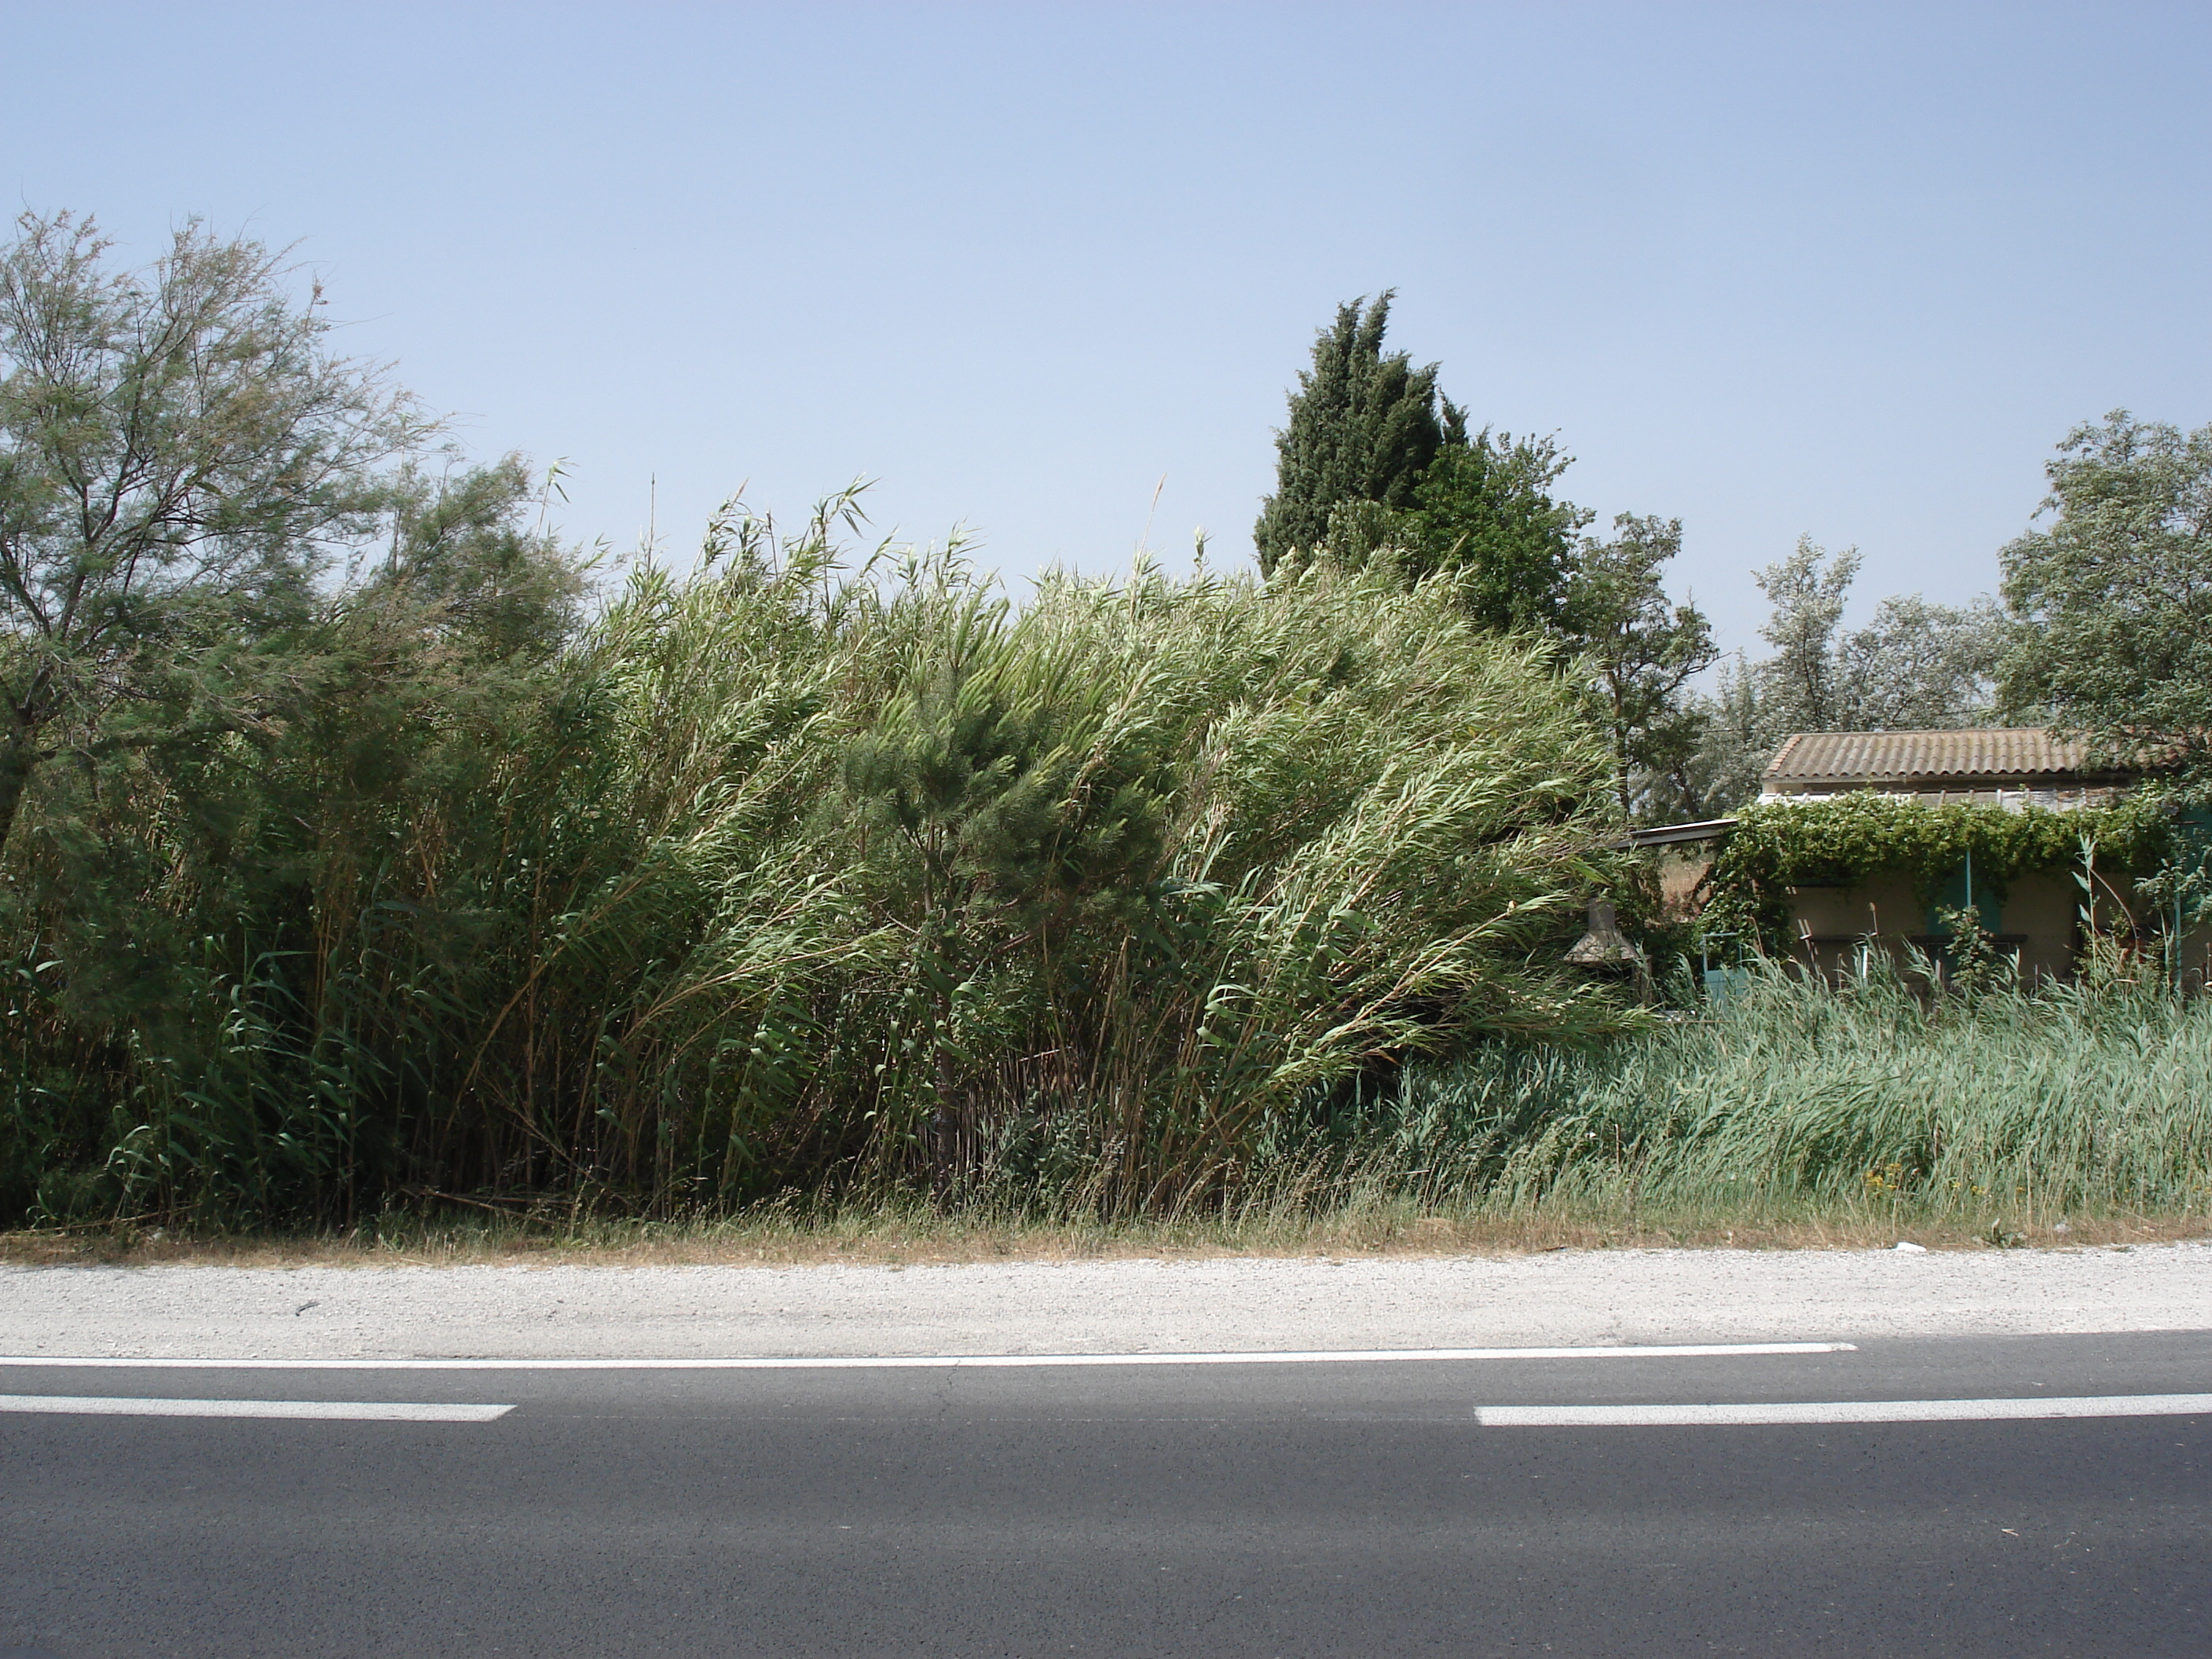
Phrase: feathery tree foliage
(180,456)
(232,954)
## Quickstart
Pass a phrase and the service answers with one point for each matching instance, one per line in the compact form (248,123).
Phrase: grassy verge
(914,1236)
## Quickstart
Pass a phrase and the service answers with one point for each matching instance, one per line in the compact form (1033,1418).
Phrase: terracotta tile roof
(2018,756)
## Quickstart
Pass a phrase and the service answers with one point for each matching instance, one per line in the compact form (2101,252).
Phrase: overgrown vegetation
(2112,595)
(1847,838)
(1914,666)
(1798,1098)
(361,859)
(1376,470)
(782,879)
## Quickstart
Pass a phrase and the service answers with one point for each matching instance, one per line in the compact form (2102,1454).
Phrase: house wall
(2039,921)
(2196,957)
(2036,922)
(1680,870)
(2042,908)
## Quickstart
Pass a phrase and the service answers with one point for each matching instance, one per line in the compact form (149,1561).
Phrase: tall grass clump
(788,877)
(1863,1097)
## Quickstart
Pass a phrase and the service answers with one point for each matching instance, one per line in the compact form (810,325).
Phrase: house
(2035,915)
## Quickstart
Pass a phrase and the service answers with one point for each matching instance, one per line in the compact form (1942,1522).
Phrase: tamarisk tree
(180,456)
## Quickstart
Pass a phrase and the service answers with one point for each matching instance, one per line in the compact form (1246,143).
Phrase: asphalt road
(1288,1509)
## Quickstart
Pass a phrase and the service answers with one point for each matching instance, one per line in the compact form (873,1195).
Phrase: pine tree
(1364,427)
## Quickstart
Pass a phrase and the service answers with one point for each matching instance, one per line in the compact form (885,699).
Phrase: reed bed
(847,878)
(1805,1103)
(1800,1114)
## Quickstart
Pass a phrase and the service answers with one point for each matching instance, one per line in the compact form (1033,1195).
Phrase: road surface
(1375,1506)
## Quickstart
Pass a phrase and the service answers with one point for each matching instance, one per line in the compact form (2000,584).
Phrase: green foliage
(1847,838)
(180,455)
(1802,682)
(1640,650)
(1362,429)
(787,877)
(1915,667)
(2114,599)
(1484,511)
(1371,476)
(1918,666)
(240,961)
(1850,1098)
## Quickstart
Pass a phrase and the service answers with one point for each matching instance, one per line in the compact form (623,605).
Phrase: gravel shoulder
(1112,1306)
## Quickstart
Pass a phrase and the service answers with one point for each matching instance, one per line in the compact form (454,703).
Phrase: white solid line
(351,1410)
(1842,1411)
(952,1362)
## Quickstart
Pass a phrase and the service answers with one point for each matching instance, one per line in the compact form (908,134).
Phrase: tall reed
(792,875)
(1800,1095)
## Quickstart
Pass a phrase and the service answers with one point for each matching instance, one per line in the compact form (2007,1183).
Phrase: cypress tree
(1363,428)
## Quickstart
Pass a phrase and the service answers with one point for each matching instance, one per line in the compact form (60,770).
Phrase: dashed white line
(1842,1411)
(953,1362)
(349,1411)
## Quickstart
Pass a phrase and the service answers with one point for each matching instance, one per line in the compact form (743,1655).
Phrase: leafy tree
(1364,425)
(1641,649)
(1377,461)
(179,455)
(465,567)
(2114,597)
(1916,666)
(1485,512)
(286,912)
(1919,666)
(417,669)
(1807,591)
(1733,747)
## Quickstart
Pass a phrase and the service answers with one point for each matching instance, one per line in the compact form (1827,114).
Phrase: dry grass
(903,1238)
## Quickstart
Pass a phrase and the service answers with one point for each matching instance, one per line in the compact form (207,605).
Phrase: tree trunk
(18,760)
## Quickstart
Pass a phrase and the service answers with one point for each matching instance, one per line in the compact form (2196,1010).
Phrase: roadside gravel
(1110,1306)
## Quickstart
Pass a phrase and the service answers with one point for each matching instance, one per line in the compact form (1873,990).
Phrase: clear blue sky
(1849,271)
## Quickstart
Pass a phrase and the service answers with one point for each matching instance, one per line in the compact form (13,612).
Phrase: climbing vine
(1846,838)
